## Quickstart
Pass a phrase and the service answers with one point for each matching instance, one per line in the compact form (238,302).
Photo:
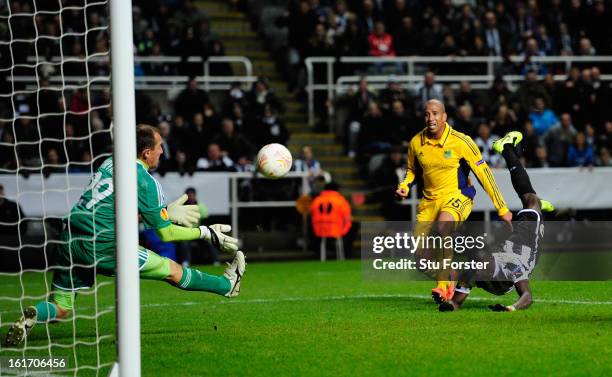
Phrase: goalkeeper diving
(512,262)
(88,244)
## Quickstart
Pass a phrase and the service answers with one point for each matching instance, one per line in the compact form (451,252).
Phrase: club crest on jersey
(164,214)
(448,153)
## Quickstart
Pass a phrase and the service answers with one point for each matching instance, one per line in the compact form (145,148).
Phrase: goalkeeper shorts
(79,259)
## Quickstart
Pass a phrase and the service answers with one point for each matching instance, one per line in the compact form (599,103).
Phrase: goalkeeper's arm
(213,234)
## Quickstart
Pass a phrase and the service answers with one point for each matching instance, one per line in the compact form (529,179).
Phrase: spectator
(541,158)
(433,35)
(369,16)
(374,133)
(604,140)
(190,100)
(580,153)
(530,143)
(604,158)
(558,139)
(542,118)
(493,36)
(381,42)
(215,160)
(261,97)
(235,96)
(394,92)
(232,143)
(271,129)
(407,40)
(504,121)
(426,91)
(529,90)
(319,44)
(307,163)
(402,129)
(464,122)
(485,141)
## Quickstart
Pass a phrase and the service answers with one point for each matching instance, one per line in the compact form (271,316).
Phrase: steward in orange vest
(331,213)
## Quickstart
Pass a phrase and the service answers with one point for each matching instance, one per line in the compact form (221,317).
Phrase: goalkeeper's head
(148,145)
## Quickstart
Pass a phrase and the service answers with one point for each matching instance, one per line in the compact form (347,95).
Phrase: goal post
(124,117)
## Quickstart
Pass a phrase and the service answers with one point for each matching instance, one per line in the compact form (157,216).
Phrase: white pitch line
(331,298)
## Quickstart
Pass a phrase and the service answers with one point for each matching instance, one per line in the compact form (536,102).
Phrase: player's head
(435,115)
(148,145)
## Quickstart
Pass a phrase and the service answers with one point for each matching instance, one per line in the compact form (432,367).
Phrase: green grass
(313,319)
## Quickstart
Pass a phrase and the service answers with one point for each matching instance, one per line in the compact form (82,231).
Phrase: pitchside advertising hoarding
(480,251)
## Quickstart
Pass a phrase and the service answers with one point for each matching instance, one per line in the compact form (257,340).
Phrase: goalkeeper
(89,247)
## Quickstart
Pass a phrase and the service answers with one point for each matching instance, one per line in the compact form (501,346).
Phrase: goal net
(55,130)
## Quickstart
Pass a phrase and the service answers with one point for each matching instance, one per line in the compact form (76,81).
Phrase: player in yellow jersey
(443,158)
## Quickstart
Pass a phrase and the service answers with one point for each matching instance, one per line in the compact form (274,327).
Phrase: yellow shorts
(458,205)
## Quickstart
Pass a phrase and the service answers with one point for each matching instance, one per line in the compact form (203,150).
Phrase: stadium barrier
(411,63)
(53,197)
(152,82)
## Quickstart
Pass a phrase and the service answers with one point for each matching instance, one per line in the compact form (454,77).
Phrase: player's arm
(525,300)
(472,156)
(213,234)
(404,187)
(155,216)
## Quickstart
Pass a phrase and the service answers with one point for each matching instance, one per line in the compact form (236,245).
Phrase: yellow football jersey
(444,165)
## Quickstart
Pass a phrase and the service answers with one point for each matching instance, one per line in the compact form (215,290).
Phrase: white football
(274,160)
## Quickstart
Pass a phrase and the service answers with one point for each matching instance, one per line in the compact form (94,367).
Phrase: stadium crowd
(566,123)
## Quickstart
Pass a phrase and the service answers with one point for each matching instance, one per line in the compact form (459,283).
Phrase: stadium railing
(54,195)
(156,82)
(414,76)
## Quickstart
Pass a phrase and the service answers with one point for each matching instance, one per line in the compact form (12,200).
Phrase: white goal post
(124,116)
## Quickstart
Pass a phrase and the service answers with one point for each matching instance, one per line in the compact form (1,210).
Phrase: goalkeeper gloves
(501,308)
(185,215)
(214,235)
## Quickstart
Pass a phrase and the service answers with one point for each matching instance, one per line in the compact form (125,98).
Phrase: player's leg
(154,267)
(455,210)
(518,175)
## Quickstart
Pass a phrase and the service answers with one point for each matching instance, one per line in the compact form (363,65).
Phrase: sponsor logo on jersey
(480,163)
(448,153)
(164,214)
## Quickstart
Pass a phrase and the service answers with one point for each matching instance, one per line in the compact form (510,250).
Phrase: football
(274,160)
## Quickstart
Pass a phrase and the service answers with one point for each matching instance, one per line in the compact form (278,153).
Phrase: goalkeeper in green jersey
(88,241)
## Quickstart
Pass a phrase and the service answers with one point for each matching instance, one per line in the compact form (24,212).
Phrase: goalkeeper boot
(234,273)
(21,328)
(512,137)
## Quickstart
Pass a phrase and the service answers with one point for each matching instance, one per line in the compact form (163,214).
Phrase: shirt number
(100,189)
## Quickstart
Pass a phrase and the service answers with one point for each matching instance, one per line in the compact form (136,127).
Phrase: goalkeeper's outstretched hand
(214,235)
(185,215)
(501,308)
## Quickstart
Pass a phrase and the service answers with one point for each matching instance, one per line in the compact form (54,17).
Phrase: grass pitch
(323,319)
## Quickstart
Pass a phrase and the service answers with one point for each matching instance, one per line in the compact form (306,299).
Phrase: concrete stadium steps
(239,39)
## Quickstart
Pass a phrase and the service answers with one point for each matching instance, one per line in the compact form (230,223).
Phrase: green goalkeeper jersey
(94,214)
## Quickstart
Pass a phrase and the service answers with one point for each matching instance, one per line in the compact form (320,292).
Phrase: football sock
(194,280)
(45,311)
(518,174)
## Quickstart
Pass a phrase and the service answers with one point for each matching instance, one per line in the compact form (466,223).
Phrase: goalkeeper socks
(45,311)
(518,174)
(194,280)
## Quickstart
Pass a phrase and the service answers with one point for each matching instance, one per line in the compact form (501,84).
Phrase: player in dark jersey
(510,263)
